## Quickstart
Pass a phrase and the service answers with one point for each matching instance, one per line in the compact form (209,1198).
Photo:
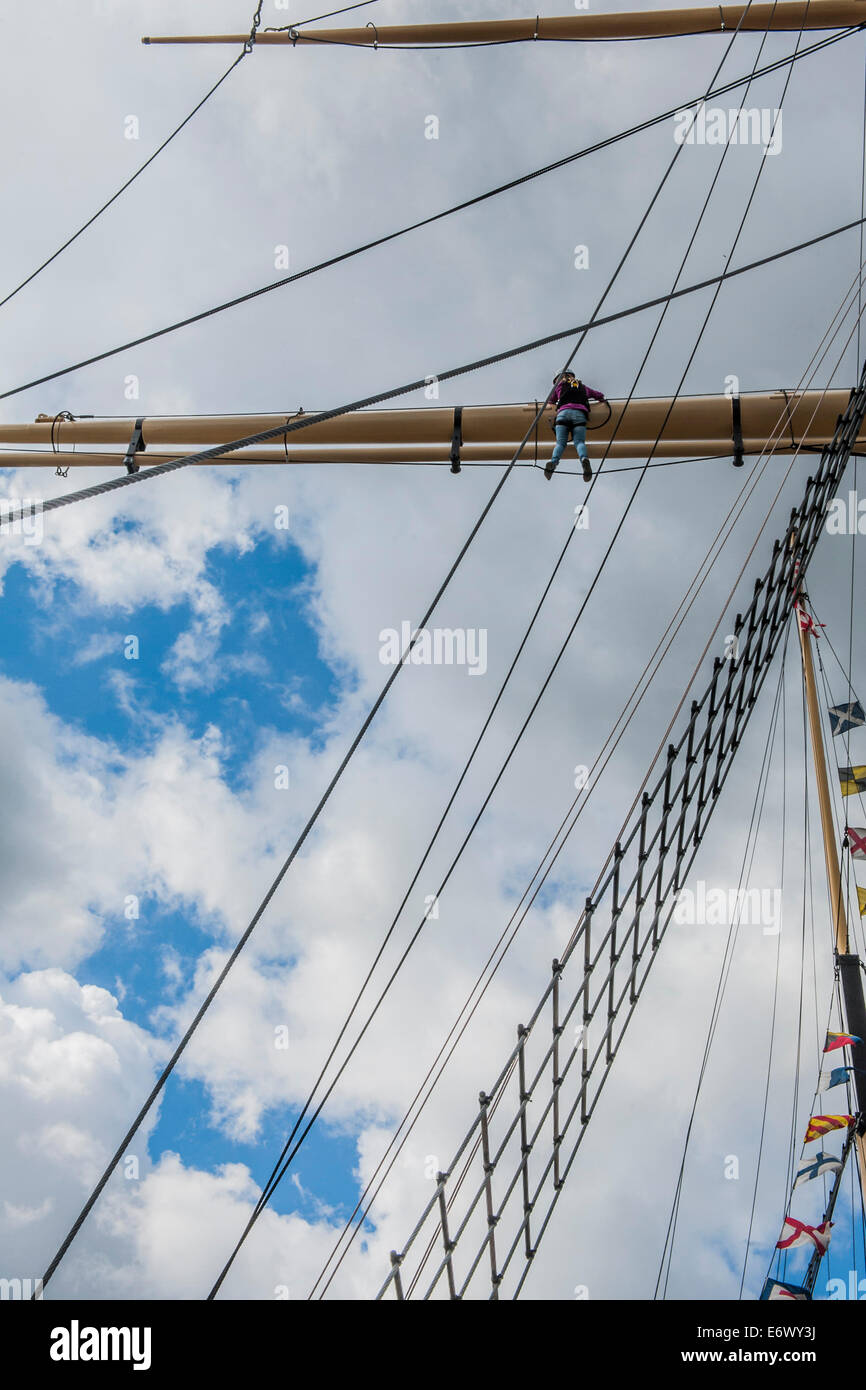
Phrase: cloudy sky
(143,811)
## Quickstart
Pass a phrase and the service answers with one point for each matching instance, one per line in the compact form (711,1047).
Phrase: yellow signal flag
(861,899)
(823,1124)
(852,779)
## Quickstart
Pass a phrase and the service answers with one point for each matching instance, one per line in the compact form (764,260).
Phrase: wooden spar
(696,425)
(408,454)
(831,857)
(852,974)
(790,15)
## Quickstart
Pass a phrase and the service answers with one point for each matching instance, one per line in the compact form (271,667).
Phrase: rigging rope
(247,48)
(853,557)
(283,28)
(728,601)
(706,648)
(725,969)
(327,794)
(592,782)
(862,186)
(692,855)
(167,1070)
(280,431)
(287,1157)
(798,1048)
(767,614)
(382,463)
(424,222)
(776,973)
(798,1053)
(792,1140)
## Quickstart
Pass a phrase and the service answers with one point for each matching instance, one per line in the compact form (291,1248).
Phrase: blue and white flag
(845,717)
(775,1290)
(836,1077)
(815,1165)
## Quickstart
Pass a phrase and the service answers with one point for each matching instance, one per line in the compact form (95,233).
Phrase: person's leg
(580,446)
(565,423)
(562,433)
(580,441)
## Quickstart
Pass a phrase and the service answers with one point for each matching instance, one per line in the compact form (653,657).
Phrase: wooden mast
(849,965)
(689,426)
(789,15)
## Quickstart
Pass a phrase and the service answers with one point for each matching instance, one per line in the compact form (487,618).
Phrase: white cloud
(73,1070)
(98,645)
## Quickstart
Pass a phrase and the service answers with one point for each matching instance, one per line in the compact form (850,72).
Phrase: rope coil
(601,424)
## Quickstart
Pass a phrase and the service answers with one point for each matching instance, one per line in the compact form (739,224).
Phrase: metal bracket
(737,430)
(136,446)
(289,419)
(457,439)
(61,415)
(786,394)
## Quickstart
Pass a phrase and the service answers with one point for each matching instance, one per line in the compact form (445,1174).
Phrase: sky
(180,678)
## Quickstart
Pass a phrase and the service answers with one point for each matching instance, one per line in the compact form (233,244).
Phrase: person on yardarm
(571,398)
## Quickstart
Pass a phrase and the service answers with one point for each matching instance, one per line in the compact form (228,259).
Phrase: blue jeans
(570,423)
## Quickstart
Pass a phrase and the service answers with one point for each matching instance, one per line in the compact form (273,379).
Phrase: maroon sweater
(566,396)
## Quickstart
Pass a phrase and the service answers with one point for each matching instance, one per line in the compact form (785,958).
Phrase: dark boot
(587,470)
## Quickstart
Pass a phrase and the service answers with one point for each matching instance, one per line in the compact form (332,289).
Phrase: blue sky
(253,692)
(72,652)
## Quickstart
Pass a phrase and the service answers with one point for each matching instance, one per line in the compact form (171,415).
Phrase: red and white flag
(856,841)
(807,622)
(796,1232)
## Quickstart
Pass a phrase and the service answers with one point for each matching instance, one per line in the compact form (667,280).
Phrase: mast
(815,1262)
(787,15)
(721,426)
(849,964)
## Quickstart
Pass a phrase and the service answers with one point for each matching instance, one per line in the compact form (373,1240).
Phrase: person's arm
(553,398)
(595,395)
